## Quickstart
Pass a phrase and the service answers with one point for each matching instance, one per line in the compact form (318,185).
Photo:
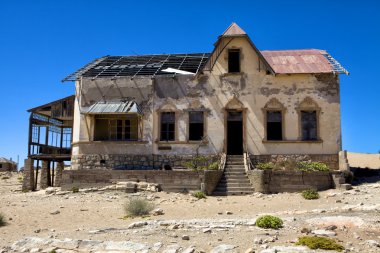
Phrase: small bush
(75,189)
(289,164)
(5,178)
(2,220)
(199,195)
(269,221)
(138,207)
(191,165)
(312,166)
(213,166)
(310,194)
(265,166)
(314,242)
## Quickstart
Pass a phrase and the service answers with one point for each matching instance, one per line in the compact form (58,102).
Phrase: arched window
(274,120)
(308,114)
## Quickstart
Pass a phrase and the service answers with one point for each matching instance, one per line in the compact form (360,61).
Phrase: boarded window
(117,128)
(233,61)
(309,125)
(167,126)
(274,125)
(196,126)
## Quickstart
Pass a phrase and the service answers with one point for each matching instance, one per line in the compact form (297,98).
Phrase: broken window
(116,128)
(309,125)
(167,126)
(196,126)
(233,61)
(274,125)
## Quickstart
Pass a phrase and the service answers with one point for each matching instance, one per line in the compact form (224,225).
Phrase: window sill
(232,74)
(109,142)
(181,142)
(289,141)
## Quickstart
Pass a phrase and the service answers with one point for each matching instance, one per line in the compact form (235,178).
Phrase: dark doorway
(234,133)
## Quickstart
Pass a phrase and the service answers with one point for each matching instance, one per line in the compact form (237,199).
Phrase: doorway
(234,132)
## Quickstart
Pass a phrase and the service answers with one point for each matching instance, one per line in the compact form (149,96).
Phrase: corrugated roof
(302,61)
(111,107)
(281,61)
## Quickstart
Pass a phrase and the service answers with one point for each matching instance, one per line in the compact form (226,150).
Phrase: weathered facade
(240,100)
(7,165)
(160,111)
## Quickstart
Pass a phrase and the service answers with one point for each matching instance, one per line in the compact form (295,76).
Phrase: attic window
(233,61)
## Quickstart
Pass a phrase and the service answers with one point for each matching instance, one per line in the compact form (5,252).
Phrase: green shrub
(310,194)
(213,166)
(314,242)
(269,221)
(5,178)
(53,251)
(191,165)
(75,189)
(138,207)
(312,166)
(2,220)
(264,166)
(199,195)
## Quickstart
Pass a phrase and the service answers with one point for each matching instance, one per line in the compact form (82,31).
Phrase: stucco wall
(213,92)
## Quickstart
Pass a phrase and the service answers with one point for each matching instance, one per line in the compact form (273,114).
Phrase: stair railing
(247,162)
(222,163)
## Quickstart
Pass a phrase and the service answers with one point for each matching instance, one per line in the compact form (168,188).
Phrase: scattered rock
(137,224)
(250,250)
(207,230)
(228,212)
(331,227)
(287,249)
(158,211)
(306,230)
(190,249)
(55,212)
(185,237)
(373,243)
(323,232)
(223,248)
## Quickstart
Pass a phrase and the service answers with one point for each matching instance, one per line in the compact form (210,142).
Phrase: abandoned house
(147,112)
(7,165)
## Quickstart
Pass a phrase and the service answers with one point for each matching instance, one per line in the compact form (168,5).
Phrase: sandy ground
(361,160)
(98,216)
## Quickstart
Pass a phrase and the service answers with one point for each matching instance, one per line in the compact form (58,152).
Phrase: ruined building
(151,111)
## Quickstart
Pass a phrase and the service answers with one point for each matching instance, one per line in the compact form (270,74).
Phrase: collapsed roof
(311,61)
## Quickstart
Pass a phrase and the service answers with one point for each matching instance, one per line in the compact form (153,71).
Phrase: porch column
(28,180)
(58,174)
(44,178)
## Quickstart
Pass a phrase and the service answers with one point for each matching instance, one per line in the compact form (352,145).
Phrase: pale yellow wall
(212,91)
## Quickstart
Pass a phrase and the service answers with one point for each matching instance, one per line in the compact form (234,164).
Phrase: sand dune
(361,160)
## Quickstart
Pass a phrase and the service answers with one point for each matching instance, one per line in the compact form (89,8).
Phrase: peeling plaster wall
(212,92)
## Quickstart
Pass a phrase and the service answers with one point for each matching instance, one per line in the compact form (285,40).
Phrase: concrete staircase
(234,180)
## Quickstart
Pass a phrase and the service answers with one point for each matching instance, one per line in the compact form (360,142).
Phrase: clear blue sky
(43,41)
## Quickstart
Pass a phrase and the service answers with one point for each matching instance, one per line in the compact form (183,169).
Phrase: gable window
(167,126)
(233,61)
(274,125)
(116,128)
(196,126)
(309,125)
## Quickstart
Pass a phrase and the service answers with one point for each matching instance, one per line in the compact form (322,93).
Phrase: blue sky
(43,41)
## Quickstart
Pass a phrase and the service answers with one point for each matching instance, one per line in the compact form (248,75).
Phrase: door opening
(234,133)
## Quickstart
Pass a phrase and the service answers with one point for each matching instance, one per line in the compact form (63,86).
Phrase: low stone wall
(331,160)
(270,181)
(127,161)
(171,181)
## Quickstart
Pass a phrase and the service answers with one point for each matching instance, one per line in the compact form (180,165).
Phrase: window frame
(274,105)
(203,122)
(109,118)
(230,50)
(160,125)
(308,105)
